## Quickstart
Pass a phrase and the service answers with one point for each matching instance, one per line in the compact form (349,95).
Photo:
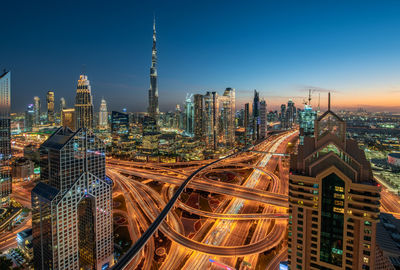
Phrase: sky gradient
(280,48)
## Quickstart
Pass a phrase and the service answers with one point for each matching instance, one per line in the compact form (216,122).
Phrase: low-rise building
(24,240)
(22,170)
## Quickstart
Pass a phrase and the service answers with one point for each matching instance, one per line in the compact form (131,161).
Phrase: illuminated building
(246,122)
(63,104)
(227,115)
(68,118)
(103,115)
(211,119)
(282,117)
(153,109)
(306,121)
(50,107)
(83,104)
(290,114)
(150,138)
(333,201)
(256,115)
(72,224)
(22,170)
(263,119)
(24,240)
(36,104)
(119,129)
(198,117)
(189,116)
(5,136)
(29,117)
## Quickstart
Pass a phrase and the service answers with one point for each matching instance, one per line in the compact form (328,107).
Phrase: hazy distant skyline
(280,48)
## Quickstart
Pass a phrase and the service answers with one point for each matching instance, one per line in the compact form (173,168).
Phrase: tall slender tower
(103,115)
(50,107)
(5,136)
(153,109)
(83,104)
(36,107)
(63,104)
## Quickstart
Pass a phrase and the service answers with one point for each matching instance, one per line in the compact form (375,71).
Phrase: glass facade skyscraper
(153,108)
(72,204)
(5,136)
(50,107)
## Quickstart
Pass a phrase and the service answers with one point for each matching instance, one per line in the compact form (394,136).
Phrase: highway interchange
(249,223)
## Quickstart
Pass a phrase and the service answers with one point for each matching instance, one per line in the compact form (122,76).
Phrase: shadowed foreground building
(72,205)
(5,137)
(333,201)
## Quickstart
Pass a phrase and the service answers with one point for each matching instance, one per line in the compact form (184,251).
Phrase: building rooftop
(25,233)
(59,138)
(395,155)
(388,237)
(45,191)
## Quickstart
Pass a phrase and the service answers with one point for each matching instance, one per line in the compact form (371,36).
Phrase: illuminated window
(365,259)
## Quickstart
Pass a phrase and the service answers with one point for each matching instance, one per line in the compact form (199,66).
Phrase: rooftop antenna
(329,101)
(309,97)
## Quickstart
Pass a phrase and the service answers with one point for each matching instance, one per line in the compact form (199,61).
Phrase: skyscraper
(256,115)
(68,118)
(72,224)
(282,117)
(103,115)
(246,122)
(263,119)
(189,115)
(290,113)
(333,201)
(36,104)
(211,119)
(63,104)
(50,107)
(5,136)
(84,104)
(228,107)
(29,117)
(153,109)
(199,117)
(119,129)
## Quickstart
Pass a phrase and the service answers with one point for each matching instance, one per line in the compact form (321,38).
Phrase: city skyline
(288,51)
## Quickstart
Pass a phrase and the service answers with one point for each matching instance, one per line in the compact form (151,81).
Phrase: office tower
(199,117)
(29,117)
(290,113)
(150,136)
(263,119)
(189,115)
(119,129)
(256,115)
(103,115)
(72,223)
(246,122)
(211,119)
(36,104)
(178,117)
(5,136)
(282,116)
(63,104)
(50,107)
(333,201)
(306,121)
(68,118)
(228,106)
(153,109)
(83,104)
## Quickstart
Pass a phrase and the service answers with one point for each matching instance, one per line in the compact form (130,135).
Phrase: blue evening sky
(280,48)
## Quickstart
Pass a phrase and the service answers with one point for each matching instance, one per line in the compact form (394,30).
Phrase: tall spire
(329,101)
(153,109)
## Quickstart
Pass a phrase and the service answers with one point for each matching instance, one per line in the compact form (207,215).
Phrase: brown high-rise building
(68,118)
(333,201)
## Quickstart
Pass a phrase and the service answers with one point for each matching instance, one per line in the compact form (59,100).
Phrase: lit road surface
(221,229)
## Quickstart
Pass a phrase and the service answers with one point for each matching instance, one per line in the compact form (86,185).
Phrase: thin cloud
(306,88)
